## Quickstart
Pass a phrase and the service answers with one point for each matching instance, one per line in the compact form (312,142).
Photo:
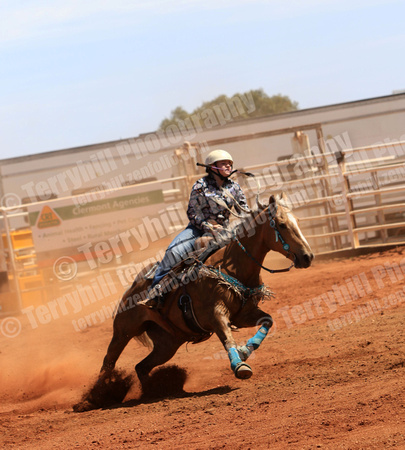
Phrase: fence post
(340,158)
(12,259)
(333,224)
(378,202)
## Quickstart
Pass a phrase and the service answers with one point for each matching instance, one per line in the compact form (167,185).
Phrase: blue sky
(80,72)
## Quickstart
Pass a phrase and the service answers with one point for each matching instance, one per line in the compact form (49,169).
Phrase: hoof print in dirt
(165,382)
(107,391)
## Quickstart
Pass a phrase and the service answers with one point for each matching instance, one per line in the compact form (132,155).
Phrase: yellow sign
(48,218)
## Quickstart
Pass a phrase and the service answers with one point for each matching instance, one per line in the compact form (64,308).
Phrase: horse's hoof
(243,371)
(84,406)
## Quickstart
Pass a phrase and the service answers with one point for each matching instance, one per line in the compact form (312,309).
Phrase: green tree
(264,104)
(276,104)
(177,114)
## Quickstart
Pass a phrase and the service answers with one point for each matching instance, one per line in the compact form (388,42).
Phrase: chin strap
(218,174)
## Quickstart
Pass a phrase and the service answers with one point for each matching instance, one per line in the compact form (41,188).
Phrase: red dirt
(321,379)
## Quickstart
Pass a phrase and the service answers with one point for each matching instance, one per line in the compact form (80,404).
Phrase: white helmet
(217,155)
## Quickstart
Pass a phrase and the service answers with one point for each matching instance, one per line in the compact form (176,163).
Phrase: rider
(211,199)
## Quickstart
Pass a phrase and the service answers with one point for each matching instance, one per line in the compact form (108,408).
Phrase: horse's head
(283,232)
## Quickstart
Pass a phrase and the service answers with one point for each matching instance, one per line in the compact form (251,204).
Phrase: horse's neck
(237,263)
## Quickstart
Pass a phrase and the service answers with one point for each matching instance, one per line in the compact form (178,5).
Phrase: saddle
(178,276)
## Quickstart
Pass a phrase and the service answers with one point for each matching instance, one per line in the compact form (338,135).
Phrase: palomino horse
(225,293)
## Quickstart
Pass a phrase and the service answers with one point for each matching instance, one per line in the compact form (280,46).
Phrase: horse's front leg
(223,331)
(265,322)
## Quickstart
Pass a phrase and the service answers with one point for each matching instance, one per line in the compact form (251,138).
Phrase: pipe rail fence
(344,200)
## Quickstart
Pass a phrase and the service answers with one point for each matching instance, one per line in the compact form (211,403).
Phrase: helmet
(217,155)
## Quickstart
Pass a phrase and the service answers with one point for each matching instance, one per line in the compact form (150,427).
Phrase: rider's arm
(240,197)
(196,206)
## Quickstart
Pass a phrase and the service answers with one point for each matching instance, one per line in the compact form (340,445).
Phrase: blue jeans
(180,247)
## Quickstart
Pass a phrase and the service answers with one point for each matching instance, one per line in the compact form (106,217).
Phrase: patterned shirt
(202,206)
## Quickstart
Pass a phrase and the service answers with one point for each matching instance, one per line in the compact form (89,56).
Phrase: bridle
(279,237)
(272,222)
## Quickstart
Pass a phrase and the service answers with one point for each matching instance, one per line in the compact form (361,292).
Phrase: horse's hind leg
(165,345)
(108,387)
(118,342)
(127,324)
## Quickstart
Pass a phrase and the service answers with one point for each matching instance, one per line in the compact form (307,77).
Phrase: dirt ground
(330,375)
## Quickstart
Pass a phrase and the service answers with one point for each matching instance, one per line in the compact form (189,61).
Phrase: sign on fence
(64,224)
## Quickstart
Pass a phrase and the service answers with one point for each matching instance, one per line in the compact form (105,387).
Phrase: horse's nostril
(308,257)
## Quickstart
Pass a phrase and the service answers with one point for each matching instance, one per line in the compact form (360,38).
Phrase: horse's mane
(246,219)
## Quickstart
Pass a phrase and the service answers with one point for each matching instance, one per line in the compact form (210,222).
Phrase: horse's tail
(145,340)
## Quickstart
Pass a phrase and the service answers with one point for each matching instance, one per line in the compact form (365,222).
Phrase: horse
(225,290)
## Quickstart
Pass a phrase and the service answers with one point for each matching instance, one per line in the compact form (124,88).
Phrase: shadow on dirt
(165,382)
(222,390)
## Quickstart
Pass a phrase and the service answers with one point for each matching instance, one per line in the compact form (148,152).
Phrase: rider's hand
(217,232)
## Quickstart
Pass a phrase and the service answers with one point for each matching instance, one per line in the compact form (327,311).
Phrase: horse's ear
(260,204)
(283,196)
(273,205)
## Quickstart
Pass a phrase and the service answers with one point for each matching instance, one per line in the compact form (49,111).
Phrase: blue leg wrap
(257,339)
(234,358)
(253,343)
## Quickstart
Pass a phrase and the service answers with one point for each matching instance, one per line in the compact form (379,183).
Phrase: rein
(259,292)
(273,225)
(286,247)
(228,194)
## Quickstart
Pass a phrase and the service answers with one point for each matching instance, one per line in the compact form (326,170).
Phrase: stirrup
(154,300)
(155,297)
(155,303)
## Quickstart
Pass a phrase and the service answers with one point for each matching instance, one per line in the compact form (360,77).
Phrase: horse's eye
(283,225)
